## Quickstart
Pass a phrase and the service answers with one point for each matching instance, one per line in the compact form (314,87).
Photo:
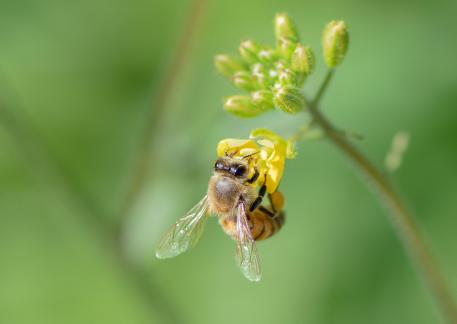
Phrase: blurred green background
(77,81)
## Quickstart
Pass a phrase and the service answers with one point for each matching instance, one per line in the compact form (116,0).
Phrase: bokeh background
(79,80)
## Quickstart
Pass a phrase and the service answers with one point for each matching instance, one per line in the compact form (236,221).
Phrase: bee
(233,197)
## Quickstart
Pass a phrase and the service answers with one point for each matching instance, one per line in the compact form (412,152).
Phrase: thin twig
(142,161)
(400,216)
(322,88)
(96,218)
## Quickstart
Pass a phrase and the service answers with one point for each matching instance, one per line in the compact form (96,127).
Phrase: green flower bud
(281,66)
(286,47)
(262,99)
(258,68)
(249,51)
(243,80)
(273,75)
(289,100)
(260,76)
(287,78)
(285,28)
(241,106)
(335,41)
(266,56)
(303,60)
(227,65)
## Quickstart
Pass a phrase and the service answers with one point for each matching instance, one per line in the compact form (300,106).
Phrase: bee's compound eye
(218,165)
(238,171)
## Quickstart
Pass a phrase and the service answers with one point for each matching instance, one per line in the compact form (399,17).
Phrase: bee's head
(236,168)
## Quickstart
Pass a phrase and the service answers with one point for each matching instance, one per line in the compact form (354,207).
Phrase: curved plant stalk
(400,217)
(141,164)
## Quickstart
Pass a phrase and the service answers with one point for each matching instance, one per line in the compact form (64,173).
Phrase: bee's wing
(185,233)
(246,251)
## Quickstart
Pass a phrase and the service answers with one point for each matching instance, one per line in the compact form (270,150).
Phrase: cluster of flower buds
(272,76)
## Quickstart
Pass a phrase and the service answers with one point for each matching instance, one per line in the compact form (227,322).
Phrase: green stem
(400,216)
(322,88)
(142,163)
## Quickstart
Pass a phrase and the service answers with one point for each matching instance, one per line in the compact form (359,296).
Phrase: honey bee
(233,198)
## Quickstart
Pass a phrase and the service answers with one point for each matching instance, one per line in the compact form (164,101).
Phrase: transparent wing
(185,233)
(246,251)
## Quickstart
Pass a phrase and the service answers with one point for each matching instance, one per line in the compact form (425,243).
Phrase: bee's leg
(265,210)
(259,198)
(276,204)
(254,177)
(230,155)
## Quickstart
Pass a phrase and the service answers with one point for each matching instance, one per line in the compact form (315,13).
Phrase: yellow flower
(269,152)
(236,147)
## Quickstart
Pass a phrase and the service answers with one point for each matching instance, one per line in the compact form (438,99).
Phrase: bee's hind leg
(276,204)
(267,220)
(259,198)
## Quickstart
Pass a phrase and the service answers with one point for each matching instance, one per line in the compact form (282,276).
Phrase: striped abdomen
(262,222)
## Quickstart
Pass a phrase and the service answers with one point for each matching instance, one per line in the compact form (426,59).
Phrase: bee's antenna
(231,154)
(249,155)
